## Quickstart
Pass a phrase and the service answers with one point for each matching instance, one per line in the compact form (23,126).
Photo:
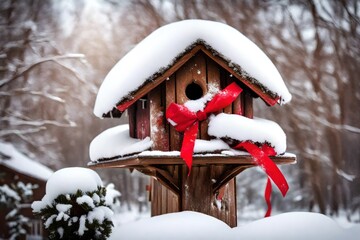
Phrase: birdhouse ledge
(160,165)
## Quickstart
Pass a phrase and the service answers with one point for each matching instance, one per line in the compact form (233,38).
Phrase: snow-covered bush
(11,197)
(74,206)
(112,197)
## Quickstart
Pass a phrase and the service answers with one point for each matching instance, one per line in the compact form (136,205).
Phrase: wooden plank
(213,73)
(158,123)
(226,81)
(173,202)
(213,80)
(238,105)
(154,198)
(196,189)
(227,203)
(199,74)
(174,136)
(248,105)
(230,196)
(142,119)
(132,121)
(216,159)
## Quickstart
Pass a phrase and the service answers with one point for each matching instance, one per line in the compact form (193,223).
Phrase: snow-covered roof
(159,51)
(241,128)
(12,158)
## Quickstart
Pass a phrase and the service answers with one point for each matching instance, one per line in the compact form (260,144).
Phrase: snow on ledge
(115,142)
(242,128)
(159,50)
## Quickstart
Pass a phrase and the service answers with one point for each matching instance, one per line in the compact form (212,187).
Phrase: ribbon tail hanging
(262,160)
(188,144)
(267,195)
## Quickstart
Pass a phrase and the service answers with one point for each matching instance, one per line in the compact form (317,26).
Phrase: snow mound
(182,225)
(12,158)
(294,226)
(193,225)
(243,128)
(159,50)
(115,142)
(203,146)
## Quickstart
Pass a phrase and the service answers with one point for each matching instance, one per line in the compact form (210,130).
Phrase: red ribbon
(187,121)
(261,158)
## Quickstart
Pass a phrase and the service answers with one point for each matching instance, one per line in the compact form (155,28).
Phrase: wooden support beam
(227,175)
(162,176)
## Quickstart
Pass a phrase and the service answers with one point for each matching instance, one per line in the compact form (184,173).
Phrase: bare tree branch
(40,61)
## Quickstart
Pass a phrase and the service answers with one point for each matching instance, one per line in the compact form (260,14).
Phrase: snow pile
(12,158)
(242,129)
(116,142)
(183,225)
(74,204)
(193,225)
(204,146)
(175,38)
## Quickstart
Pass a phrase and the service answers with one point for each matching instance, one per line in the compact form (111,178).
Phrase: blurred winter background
(55,54)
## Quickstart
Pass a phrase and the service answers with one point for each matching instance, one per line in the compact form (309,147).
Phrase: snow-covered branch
(40,61)
(20,133)
(14,121)
(37,123)
(31,92)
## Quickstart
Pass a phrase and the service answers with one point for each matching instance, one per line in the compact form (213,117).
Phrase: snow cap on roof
(14,159)
(161,48)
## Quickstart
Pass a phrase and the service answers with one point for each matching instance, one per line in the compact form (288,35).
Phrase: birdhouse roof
(165,50)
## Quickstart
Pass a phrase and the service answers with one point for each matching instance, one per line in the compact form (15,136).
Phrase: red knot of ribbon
(187,121)
(261,158)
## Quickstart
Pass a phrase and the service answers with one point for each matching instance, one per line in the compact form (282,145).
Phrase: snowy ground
(293,225)
(192,225)
(124,216)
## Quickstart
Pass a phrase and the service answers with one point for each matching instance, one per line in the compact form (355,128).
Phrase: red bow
(261,158)
(187,121)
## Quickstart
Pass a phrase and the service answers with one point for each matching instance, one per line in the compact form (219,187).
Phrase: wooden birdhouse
(184,63)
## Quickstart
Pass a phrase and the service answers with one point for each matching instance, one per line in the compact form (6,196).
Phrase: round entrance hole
(193,91)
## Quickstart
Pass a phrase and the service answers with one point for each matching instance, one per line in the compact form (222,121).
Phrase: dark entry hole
(193,91)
